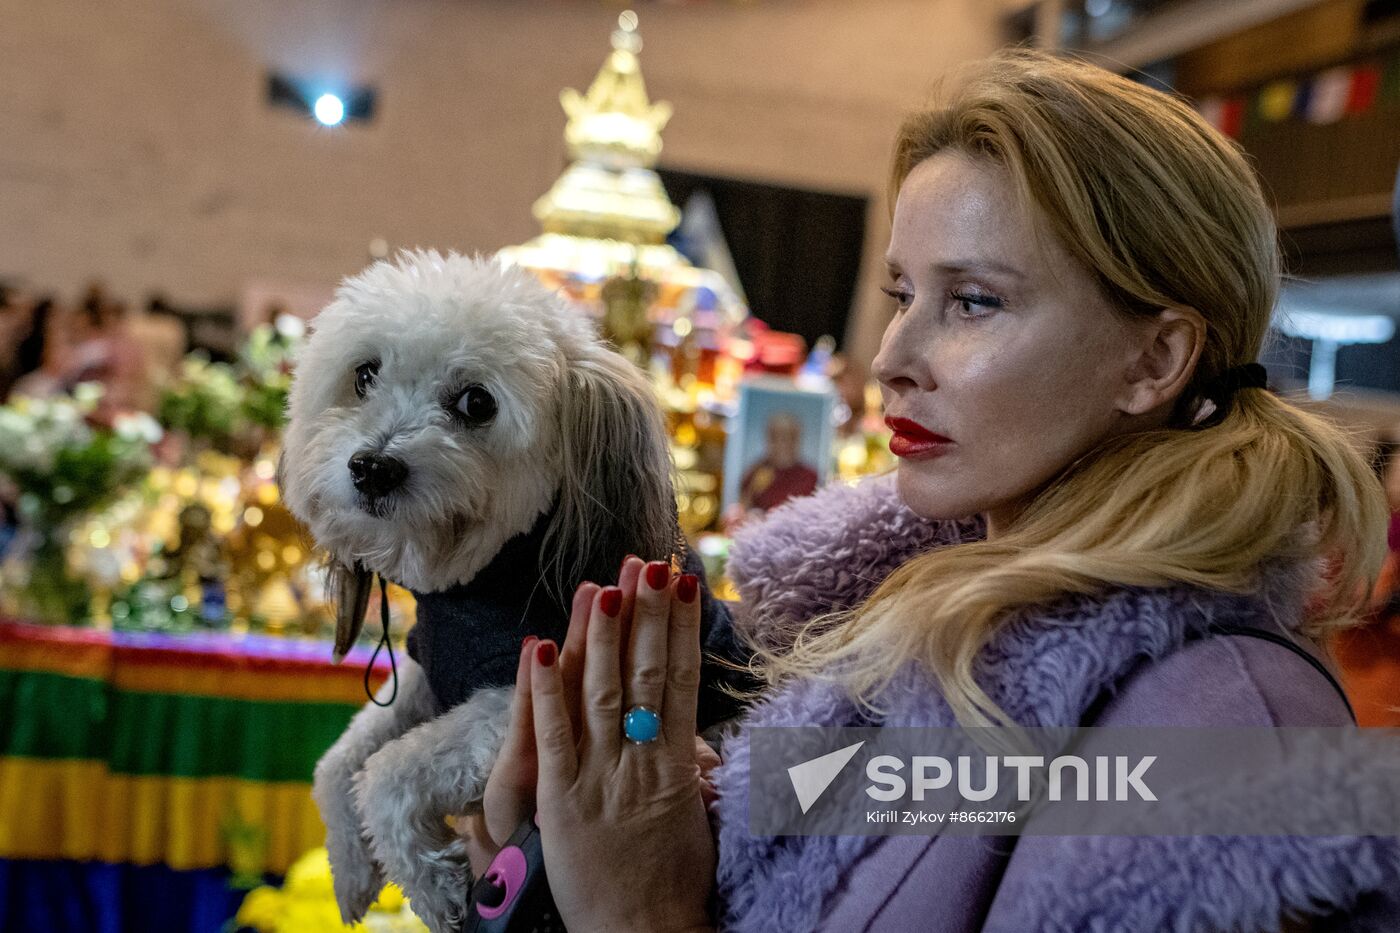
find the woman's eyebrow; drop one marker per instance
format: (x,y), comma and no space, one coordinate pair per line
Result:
(966,266)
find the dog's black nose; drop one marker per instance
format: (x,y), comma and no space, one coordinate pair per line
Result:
(377,474)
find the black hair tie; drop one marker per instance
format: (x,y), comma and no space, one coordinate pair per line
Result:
(1247,376)
(1217,393)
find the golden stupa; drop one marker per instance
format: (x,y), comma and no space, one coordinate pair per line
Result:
(605,223)
(608,215)
(614,138)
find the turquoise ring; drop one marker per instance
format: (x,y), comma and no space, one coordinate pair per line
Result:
(641,725)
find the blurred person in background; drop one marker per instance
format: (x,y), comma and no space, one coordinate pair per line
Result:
(1369,654)
(15,313)
(24,322)
(90,344)
(103,351)
(39,355)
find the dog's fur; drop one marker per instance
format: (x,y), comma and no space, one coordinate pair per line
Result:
(577,430)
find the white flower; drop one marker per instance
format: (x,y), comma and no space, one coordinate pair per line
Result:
(12,422)
(36,455)
(87,394)
(290,326)
(138,426)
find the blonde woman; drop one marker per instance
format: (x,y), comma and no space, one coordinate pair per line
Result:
(1091,474)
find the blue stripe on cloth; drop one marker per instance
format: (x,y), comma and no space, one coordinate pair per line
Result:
(96,897)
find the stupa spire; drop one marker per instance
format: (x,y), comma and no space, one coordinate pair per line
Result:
(614,138)
(614,123)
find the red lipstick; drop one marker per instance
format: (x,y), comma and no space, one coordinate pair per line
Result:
(913,441)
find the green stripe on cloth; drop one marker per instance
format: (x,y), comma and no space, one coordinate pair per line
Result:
(46,715)
(194,736)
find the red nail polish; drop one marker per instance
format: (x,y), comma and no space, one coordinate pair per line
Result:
(546,653)
(630,556)
(658,574)
(529,643)
(611,601)
(687,586)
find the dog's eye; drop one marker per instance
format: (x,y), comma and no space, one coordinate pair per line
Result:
(477,405)
(364,376)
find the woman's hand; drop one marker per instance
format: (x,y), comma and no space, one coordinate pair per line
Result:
(626,838)
(510,792)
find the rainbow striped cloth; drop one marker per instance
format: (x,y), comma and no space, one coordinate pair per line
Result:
(168,756)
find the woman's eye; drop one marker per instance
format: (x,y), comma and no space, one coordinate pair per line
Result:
(901,297)
(476,405)
(976,305)
(364,376)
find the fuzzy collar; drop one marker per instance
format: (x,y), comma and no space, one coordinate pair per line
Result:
(1044,668)
(468,636)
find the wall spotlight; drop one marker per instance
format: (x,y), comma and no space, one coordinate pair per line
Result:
(324,101)
(329,110)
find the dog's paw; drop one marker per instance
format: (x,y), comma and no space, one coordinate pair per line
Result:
(440,889)
(356,878)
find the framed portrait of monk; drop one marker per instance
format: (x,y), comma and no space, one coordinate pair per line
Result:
(779,446)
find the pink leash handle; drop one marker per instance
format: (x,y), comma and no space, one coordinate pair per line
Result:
(512,895)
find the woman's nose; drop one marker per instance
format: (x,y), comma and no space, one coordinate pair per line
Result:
(899,366)
(883,370)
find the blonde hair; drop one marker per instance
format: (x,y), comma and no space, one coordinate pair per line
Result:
(1165,212)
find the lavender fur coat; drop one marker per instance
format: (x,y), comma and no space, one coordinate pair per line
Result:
(1044,668)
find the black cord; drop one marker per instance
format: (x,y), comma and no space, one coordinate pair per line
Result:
(384,642)
(1228,629)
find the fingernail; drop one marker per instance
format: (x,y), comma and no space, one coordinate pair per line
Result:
(611,601)
(630,557)
(529,643)
(545,653)
(658,574)
(687,586)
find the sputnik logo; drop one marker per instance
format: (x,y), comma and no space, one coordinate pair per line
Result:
(810,779)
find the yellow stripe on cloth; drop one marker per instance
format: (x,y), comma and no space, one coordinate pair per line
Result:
(79,810)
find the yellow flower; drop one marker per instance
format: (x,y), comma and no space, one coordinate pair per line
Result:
(310,876)
(391,900)
(306,904)
(261,909)
(307,916)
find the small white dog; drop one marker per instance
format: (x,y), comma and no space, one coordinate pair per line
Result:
(459,430)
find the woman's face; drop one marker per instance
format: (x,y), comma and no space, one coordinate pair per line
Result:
(1004,361)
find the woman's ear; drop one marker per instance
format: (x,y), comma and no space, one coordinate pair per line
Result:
(349,588)
(1168,350)
(616,494)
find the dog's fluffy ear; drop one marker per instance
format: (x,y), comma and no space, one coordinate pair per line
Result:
(616,493)
(349,588)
